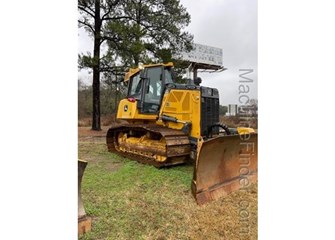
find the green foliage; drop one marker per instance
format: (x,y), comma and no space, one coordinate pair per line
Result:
(223,110)
(86,61)
(150,32)
(136,31)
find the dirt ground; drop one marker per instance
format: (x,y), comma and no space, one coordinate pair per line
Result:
(86,132)
(235,121)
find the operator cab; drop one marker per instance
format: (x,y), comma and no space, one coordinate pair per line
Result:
(147,87)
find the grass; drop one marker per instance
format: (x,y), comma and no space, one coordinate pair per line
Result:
(128,200)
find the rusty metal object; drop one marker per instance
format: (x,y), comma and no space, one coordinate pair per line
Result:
(223,165)
(150,144)
(84,221)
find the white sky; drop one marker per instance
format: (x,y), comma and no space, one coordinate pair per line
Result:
(227,24)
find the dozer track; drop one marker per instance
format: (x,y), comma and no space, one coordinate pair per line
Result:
(150,144)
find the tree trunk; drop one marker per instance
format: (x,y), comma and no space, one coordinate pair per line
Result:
(96,70)
(137,37)
(136,60)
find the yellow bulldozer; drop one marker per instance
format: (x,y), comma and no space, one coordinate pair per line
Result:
(167,123)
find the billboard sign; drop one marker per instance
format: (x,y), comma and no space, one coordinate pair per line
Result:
(204,54)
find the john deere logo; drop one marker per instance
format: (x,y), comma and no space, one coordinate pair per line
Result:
(126,108)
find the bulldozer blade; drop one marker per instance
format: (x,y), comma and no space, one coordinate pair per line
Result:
(224,164)
(84,222)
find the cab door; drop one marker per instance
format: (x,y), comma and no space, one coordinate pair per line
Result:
(153,90)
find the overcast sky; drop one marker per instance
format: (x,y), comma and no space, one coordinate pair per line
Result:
(227,24)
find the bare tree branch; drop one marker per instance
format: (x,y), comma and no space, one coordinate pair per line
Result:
(86,11)
(112,39)
(110,9)
(116,18)
(87,25)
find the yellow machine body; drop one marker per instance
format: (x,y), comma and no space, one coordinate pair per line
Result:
(183,105)
(128,110)
(170,123)
(133,71)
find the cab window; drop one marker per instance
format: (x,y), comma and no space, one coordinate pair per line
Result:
(135,86)
(168,75)
(154,90)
